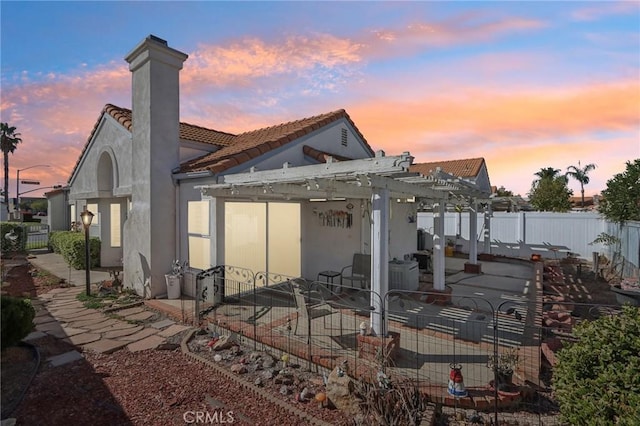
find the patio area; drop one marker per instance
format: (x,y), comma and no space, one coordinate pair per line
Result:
(479,314)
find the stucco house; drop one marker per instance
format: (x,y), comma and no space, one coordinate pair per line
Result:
(297,197)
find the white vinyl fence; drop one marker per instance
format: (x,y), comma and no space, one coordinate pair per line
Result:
(524,233)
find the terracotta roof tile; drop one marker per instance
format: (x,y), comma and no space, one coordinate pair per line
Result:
(188,132)
(321,156)
(265,140)
(467,168)
(234,149)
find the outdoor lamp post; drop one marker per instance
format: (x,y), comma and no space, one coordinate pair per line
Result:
(87,217)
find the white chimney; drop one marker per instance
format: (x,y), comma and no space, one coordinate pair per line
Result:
(150,229)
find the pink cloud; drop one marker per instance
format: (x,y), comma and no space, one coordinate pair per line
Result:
(459,30)
(599,10)
(245,61)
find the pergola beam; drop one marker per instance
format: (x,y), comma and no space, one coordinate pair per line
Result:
(331,169)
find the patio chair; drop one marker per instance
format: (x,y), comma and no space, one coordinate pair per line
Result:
(310,305)
(359,272)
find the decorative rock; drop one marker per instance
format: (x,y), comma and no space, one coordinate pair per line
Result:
(238,369)
(167,346)
(224,342)
(267,375)
(201,341)
(284,390)
(340,392)
(254,356)
(268,362)
(303,395)
(217,357)
(285,373)
(317,381)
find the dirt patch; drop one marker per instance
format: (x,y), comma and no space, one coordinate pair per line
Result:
(21,279)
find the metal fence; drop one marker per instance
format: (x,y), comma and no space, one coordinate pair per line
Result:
(428,337)
(37,235)
(24,236)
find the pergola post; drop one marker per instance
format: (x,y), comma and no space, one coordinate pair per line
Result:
(487,229)
(473,232)
(379,256)
(439,243)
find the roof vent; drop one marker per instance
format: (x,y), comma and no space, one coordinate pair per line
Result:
(344,137)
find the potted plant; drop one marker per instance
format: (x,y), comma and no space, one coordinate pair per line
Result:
(174,279)
(503,365)
(448,250)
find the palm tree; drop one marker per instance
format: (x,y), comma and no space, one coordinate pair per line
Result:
(9,142)
(581,174)
(547,173)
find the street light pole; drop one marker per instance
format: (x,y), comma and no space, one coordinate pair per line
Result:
(87,217)
(17,206)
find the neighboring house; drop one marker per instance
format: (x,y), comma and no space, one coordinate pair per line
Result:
(295,198)
(471,169)
(591,203)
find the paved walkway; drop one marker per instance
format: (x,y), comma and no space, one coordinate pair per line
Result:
(60,314)
(56,265)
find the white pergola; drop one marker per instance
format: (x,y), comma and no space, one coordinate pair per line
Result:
(378,179)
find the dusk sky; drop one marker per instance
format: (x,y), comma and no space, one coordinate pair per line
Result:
(526,85)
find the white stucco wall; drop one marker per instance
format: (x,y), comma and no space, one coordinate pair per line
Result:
(111,139)
(329,247)
(403,238)
(58,211)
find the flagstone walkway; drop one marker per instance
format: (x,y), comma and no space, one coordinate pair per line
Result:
(60,314)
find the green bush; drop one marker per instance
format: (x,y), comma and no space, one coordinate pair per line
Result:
(18,229)
(597,379)
(55,238)
(17,319)
(70,245)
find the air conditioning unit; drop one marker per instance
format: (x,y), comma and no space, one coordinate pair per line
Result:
(404,275)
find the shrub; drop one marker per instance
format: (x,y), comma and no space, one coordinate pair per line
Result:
(20,242)
(70,245)
(597,379)
(17,319)
(54,240)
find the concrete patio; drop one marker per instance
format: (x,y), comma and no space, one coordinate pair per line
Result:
(432,335)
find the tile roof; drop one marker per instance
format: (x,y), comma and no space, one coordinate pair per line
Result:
(235,149)
(249,145)
(467,168)
(188,131)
